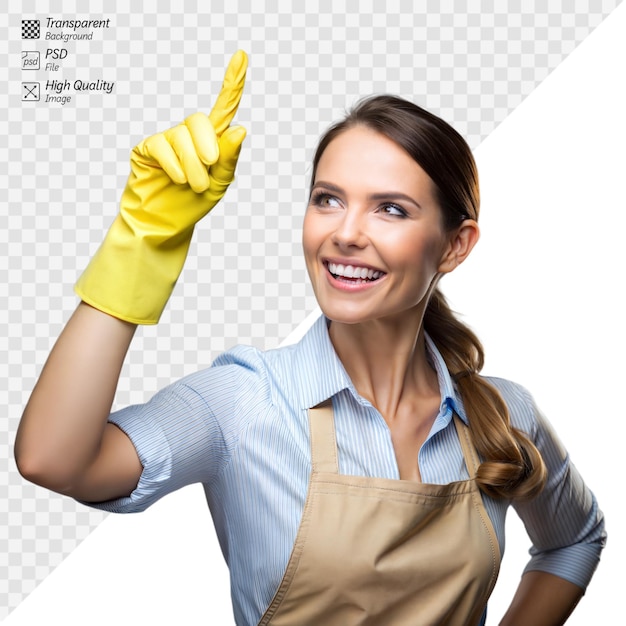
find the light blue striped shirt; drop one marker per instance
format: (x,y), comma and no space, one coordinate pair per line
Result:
(240,427)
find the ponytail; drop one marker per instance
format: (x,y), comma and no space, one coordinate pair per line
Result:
(512,467)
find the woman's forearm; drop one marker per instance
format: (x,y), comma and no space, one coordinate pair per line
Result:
(542,599)
(61,430)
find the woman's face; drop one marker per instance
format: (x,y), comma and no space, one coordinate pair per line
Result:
(373,237)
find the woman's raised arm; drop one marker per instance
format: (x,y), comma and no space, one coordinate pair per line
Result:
(64,441)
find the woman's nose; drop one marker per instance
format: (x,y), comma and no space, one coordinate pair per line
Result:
(350,230)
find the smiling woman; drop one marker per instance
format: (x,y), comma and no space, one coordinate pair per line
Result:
(361,476)
(383,217)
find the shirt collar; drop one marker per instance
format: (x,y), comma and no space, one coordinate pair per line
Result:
(450,399)
(318,371)
(321,374)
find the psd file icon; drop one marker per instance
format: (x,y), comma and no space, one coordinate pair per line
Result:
(30,60)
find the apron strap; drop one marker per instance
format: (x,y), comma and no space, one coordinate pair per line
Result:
(324,444)
(323,441)
(469,451)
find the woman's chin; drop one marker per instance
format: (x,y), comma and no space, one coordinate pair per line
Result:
(346,315)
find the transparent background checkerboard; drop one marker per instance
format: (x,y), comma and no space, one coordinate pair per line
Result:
(62,169)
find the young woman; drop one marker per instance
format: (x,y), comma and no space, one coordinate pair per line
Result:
(361,476)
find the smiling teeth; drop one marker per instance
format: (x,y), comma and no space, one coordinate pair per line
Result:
(350,271)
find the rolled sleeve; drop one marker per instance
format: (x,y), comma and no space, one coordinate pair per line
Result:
(564,522)
(154,454)
(186,433)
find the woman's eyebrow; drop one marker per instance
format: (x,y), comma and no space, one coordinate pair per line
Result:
(394,195)
(329,186)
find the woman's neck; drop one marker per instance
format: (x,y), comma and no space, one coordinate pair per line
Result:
(387,362)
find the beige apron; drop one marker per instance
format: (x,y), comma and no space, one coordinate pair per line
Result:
(383,552)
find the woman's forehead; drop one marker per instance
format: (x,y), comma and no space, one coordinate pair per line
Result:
(360,156)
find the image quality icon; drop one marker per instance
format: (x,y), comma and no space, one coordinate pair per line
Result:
(30,92)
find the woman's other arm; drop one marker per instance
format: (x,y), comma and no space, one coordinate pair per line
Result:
(564,523)
(542,599)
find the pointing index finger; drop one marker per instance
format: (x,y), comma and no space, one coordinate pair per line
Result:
(227,102)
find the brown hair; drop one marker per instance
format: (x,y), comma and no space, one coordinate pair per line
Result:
(511,464)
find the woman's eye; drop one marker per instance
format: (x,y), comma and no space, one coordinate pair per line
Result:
(393,209)
(326,200)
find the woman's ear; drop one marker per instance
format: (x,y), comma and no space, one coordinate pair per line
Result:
(460,244)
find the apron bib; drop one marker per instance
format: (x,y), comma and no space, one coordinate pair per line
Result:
(374,551)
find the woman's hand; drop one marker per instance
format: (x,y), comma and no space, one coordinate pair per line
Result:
(177,177)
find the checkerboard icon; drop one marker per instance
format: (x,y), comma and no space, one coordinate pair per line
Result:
(30,29)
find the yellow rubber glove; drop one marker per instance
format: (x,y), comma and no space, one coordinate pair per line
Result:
(176,178)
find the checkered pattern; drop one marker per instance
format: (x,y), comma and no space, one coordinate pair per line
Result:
(30,29)
(62,169)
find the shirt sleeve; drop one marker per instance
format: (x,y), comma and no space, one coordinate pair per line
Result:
(186,433)
(564,523)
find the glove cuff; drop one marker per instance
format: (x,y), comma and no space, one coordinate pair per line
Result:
(129,278)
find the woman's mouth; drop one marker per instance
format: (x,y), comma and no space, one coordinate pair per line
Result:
(354,274)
